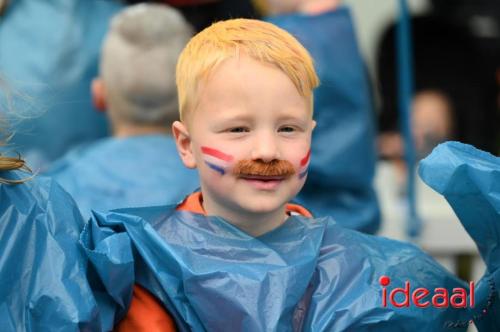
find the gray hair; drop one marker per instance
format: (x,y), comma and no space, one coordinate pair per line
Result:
(138,63)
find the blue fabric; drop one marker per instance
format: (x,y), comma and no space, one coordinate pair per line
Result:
(339,182)
(49,52)
(43,270)
(308,274)
(125,172)
(469,179)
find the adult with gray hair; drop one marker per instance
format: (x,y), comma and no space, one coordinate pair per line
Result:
(138,165)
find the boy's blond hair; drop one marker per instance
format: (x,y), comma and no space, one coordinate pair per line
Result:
(260,40)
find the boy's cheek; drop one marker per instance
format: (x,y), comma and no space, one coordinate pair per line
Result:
(303,164)
(219,161)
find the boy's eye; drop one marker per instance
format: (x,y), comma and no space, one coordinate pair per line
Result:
(287,129)
(238,130)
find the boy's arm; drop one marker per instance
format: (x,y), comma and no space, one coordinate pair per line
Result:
(469,179)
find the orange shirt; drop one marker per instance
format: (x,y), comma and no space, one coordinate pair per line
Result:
(146,313)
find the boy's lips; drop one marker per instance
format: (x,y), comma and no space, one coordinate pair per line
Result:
(262,177)
(263,182)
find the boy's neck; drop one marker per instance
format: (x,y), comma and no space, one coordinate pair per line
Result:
(255,224)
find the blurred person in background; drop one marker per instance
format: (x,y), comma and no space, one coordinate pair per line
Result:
(139,164)
(433,122)
(49,50)
(202,13)
(341,172)
(456,53)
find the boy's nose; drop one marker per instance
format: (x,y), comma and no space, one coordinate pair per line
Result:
(265,148)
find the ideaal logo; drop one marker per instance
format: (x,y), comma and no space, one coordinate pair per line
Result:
(422,297)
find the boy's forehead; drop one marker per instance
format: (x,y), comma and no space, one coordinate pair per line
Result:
(243,76)
(234,70)
(217,86)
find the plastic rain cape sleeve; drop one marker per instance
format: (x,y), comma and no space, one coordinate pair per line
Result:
(309,274)
(43,269)
(469,179)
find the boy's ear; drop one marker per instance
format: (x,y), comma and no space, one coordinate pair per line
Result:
(98,94)
(183,142)
(313,124)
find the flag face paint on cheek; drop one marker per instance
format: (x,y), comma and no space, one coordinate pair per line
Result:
(216,160)
(304,164)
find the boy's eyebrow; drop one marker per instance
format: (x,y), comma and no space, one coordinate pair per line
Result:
(236,114)
(249,118)
(237,117)
(287,117)
(292,117)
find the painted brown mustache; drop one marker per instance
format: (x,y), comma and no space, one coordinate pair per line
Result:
(246,167)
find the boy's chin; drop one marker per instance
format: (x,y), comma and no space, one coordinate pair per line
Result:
(263,205)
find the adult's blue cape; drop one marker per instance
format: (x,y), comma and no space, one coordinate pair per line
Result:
(340,178)
(306,275)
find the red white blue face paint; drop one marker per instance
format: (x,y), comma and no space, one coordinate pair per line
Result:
(216,160)
(304,164)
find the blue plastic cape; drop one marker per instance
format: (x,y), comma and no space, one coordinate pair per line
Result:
(306,275)
(125,172)
(469,179)
(43,270)
(49,52)
(339,182)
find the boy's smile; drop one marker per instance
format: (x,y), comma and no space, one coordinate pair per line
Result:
(249,135)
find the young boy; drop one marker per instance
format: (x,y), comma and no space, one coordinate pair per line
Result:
(237,256)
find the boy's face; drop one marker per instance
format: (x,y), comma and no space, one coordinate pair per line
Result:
(249,137)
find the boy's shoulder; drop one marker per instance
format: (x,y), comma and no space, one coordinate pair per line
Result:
(334,241)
